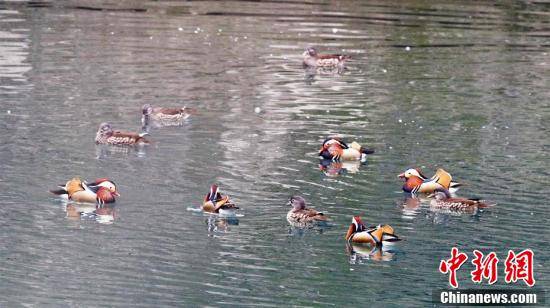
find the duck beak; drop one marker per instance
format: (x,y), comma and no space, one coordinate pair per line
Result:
(431,195)
(116,194)
(289,203)
(401,175)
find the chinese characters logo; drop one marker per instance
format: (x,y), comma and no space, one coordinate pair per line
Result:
(517,267)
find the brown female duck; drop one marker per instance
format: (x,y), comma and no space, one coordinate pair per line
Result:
(106,135)
(444,201)
(300,215)
(314,59)
(164,116)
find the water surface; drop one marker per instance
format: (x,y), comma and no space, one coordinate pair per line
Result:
(463,86)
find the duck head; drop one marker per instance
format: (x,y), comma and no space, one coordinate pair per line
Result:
(147,109)
(356,226)
(440,194)
(310,51)
(105,129)
(412,172)
(332,147)
(413,179)
(108,184)
(104,195)
(213,195)
(297,203)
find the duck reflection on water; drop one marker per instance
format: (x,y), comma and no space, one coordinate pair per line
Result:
(221,224)
(103,214)
(335,168)
(360,253)
(311,72)
(410,206)
(106,151)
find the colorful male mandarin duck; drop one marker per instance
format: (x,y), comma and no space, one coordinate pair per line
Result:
(101,191)
(106,135)
(443,200)
(300,215)
(416,182)
(313,59)
(376,236)
(416,172)
(215,202)
(336,149)
(164,116)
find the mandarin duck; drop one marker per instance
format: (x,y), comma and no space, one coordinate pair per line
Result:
(215,202)
(416,172)
(313,59)
(335,149)
(164,116)
(444,201)
(416,182)
(100,191)
(300,215)
(106,135)
(375,236)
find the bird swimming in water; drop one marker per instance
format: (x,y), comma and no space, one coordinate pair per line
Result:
(443,201)
(161,116)
(106,135)
(215,202)
(100,191)
(336,149)
(300,215)
(314,59)
(376,236)
(416,182)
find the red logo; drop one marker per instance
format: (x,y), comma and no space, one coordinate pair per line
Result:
(520,266)
(484,268)
(452,265)
(517,267)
